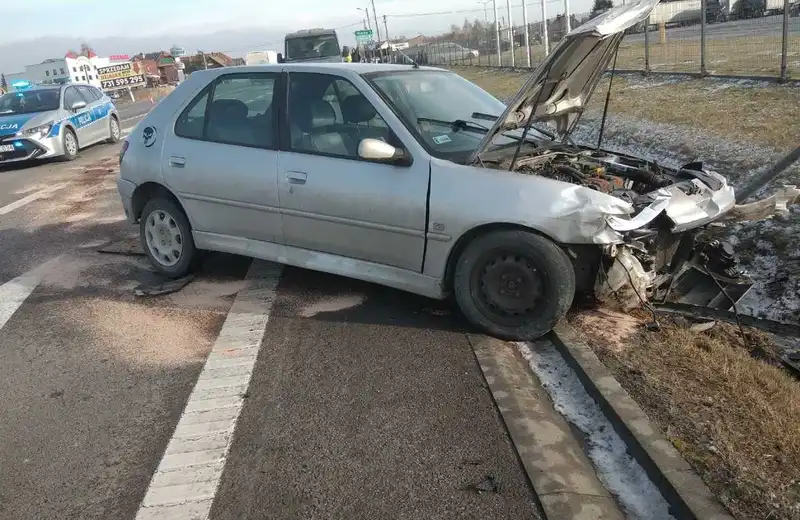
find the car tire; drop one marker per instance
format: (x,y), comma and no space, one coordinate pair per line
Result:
(70,145)
(163,231)
(514,285)
(114,130)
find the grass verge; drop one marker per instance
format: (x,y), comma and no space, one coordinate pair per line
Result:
(765,114)
(723,403)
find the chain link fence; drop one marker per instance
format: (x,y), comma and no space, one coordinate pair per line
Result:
(754,38)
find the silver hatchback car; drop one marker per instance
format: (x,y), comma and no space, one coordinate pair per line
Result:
(393,174)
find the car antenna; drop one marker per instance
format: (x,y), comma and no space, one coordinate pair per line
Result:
(406,56)
(608,98)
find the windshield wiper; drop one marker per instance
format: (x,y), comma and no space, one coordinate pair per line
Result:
(457,124)
(490,117)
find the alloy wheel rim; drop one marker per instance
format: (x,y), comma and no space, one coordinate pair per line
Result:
(164,238)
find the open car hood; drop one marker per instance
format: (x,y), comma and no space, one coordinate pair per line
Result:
(562,84)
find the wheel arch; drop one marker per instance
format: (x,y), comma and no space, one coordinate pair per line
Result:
(150,190)
(484,229)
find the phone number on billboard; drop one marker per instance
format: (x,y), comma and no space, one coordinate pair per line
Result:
(123,82)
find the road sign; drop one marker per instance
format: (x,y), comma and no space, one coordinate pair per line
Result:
(364,36)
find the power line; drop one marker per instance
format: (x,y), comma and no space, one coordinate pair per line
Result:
(465,11)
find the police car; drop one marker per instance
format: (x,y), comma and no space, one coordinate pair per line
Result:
(57,121)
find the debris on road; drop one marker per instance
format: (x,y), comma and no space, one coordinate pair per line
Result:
(165,287)
(490,484)
(130,246)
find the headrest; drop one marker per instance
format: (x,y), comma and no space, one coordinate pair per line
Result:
(315,114)
(228,110)
(357,109)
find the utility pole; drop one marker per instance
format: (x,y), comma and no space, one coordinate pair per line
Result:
(566,14)
(511,33)
(386,29)
(527,36)
(544,29)
(375,15)
(205,64)
(497,34)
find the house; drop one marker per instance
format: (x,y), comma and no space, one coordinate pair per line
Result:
(166,67)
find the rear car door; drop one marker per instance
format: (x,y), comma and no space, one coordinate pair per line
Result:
(80,118)
(221,158)
(332,200)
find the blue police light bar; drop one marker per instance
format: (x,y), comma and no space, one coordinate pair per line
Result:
(21,84)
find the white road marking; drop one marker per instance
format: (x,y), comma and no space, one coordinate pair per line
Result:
(30,198)
(188,475)
(13,293)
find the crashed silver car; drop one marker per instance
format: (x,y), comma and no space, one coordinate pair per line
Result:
(415,178)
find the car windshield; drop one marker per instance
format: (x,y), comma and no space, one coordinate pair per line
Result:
(439,107)
(29,101)
(309,47)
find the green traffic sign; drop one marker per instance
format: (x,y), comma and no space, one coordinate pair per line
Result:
(364,36)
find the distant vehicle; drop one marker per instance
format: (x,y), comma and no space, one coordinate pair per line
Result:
(440,53)
(46,122)
(313,45)
(261,58)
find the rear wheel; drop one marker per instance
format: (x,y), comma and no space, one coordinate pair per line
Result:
(167,237)
(114,132)
(70,143)
(514,285)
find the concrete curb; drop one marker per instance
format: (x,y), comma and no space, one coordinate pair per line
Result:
(685,492)
(562,477)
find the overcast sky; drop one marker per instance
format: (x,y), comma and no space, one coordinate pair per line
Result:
(34,30)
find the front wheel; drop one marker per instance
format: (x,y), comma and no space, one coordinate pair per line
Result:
(167,237)
(514,285)
(70,145)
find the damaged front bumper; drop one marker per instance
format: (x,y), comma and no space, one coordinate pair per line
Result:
(669,254)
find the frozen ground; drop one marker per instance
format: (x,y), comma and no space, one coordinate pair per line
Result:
(618,471)
(769,249)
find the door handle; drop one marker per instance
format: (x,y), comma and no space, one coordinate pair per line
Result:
(296,177)
(178,162)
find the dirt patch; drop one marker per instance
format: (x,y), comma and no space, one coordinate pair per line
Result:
(724,403)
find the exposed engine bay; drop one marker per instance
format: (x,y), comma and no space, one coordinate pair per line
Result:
(667,254)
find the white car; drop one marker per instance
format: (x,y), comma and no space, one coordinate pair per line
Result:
(58,121)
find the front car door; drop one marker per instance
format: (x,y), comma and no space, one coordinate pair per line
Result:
(80,118)
(98,128)
(332,200)
(221,158)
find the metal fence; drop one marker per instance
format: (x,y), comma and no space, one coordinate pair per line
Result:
(708,40)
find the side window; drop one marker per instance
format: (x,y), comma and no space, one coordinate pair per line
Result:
(71,97)
(236,109)
(87,94)
(328,115)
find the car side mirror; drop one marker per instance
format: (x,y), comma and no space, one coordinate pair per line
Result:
(377,150)
(281,59)
(78,105)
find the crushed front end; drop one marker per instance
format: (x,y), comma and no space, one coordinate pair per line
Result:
(670,247)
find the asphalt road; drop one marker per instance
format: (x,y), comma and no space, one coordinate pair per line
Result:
(364,402)
(755,28)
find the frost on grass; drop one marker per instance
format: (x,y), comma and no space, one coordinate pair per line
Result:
(617,470)
(769,249)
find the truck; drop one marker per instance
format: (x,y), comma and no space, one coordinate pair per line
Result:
(260,57)
(313,45)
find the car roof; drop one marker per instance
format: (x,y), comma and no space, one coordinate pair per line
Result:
(311,32)
(341,68)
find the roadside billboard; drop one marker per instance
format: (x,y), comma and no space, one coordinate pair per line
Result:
(122,75)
